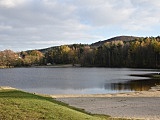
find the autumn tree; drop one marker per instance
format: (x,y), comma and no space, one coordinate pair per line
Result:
(8,58)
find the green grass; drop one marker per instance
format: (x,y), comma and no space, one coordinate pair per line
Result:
(19,105)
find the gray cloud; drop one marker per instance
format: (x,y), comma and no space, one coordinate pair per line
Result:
(32,24)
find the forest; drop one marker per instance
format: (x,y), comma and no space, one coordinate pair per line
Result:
(134,53)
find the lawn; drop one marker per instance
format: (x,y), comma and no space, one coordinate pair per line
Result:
(19,105)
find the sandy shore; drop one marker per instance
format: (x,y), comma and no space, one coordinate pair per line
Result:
(135,105)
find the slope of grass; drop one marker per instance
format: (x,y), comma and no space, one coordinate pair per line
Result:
(18,105)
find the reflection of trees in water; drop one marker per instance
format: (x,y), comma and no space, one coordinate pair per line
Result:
(135,85)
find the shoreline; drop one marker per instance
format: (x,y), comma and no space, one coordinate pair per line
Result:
(129,105)
(58,66)
(154,92)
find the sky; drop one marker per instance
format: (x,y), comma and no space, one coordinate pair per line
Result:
(35,24)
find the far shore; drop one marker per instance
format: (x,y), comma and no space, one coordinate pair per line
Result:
(58,66)
(46,66)
(74,65)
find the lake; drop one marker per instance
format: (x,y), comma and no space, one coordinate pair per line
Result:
(77,80)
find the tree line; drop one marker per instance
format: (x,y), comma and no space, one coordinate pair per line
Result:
(9,58)
(138,53)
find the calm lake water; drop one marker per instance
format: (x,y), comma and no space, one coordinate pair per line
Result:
(76,80)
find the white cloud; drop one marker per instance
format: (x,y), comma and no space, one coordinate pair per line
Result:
(10,3)
(131,15)
(145,16)
(104,13)
(48,42)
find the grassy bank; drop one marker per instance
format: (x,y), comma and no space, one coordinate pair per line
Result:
(18,105)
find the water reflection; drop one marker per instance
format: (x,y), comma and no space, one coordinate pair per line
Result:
(134,85)
(76,80)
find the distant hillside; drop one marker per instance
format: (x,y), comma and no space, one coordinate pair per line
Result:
(96,44)
(75,46)
(44,50)
(136,52)
(122,38)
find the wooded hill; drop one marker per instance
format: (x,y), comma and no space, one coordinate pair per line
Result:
(118,38)
(121,51)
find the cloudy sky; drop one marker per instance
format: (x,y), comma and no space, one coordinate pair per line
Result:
(34,24)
